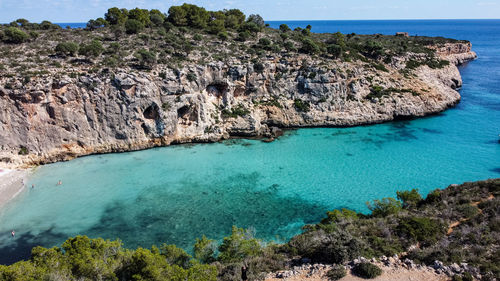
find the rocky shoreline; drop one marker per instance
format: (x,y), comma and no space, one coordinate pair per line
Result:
(56,118)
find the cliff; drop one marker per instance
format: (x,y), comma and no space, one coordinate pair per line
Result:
(56,117)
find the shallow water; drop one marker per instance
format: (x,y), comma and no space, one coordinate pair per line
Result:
(178,193)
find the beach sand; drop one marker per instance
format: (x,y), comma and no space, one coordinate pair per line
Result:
(11,184)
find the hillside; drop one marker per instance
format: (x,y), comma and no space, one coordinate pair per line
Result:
(138,79)
(452,233)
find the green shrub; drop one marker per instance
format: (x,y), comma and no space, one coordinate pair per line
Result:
(93,49)
(366,270)
(284,28)
(191,77)
(204,249)
(301,105)
(340,215)
(467,210)
(223,35)
(384,207)
(240,245)
(67,48)
(417,229)
(14,35)
(433,197)
(409,197)
(334,50)
(265,42)
(133,26)
(175,255)
(23,150)
(337,272)
(146,58)
(309,46)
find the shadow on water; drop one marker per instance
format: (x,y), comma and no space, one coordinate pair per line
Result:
(179,215)
(20,246)
(496,170)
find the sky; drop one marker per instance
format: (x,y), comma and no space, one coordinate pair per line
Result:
(83,10)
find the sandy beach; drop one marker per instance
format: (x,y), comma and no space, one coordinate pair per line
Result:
(11,184)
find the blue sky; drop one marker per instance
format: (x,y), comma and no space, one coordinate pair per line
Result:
(83,10)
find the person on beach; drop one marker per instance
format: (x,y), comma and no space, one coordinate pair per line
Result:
(13,233)
(244,270)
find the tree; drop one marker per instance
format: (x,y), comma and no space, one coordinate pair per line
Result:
(204,249)
(157,18)
(409,197)
(66,49)
(141,15)
(384,207)
(175,255)
(133,26)
(95,24)
(240,245)
(177,15)
(116,16)
(257,19)
(217,23)
(309,46)
(14,35)
(284,28)
(234,18)
(93,49)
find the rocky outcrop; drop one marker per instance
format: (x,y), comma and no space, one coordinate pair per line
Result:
(56,118)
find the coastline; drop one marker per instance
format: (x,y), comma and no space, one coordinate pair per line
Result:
(11,184)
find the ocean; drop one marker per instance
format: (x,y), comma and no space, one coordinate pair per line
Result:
(176,194)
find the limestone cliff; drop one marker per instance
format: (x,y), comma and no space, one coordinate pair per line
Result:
(55,118)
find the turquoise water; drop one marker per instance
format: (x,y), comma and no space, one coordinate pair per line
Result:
(178,193)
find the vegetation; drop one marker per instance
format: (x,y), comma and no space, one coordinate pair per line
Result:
(336,273)
(366,270)
(342,236)
(187,35)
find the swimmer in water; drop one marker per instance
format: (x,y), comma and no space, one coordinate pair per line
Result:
(33,186)
(13,233)
(59,182)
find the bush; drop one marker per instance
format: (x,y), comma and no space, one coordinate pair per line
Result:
(284,28)
(366,270)
(309,47)
(301,105)
(240,245)
(133,26)
(146,58)
(424,230)
(334,50)
(204,250)
(93,49)
(409,197)
(223,36)
(67,48)
(337,272)
(14,35)
(384,207)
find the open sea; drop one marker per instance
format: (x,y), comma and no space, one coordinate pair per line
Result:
(175,194)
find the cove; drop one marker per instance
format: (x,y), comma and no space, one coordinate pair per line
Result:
(176,194)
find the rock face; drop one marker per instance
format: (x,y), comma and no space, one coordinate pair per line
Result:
(58,118)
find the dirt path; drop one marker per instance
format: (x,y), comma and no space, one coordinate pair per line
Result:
(475,204)
(389,274)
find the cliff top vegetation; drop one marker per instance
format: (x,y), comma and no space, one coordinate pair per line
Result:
(140,39)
